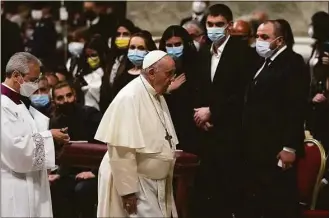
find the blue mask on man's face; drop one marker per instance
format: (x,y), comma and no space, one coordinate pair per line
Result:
(175,52)
(136,56)
(216,34)
(40,100)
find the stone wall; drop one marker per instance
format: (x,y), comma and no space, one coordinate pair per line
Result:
(157,16)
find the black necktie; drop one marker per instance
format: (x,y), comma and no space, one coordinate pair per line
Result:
(254,80)
(267,63)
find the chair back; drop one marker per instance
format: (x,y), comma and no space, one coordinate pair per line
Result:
(86,155)
(310,171)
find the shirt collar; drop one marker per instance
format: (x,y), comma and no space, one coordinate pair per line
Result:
(220,49)
(9,88)
(148,86)
(278,52)
(10,93)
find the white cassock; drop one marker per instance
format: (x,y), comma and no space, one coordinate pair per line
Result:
(27,151)
(139,158)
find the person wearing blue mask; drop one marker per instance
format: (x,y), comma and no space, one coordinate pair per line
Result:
(140,44)
(178,43)
(226,66)
(274,115)
(41,98)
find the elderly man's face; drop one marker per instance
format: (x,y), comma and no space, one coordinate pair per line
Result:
(164,75)
(195,33)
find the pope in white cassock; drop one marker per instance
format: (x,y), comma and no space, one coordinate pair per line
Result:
(27,146)
(135,176)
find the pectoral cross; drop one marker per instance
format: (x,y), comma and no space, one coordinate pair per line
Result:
(168,138)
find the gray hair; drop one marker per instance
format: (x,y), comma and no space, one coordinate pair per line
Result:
(20,62)
(195,24)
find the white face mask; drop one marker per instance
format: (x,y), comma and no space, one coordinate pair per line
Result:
(199,6)
(28,88)
(197,45)
(36,14)
(75,48)
(310,31)
(263,49)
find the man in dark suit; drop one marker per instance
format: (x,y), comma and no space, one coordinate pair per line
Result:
(225,67)
(199,13)
(273,126)
(74,190)
(99,23)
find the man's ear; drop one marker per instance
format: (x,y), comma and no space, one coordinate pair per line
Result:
(151,73)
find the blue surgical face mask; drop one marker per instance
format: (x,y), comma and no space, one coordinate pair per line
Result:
(136,56)
(263,48)
(40,100)
(175,52)
(216,34)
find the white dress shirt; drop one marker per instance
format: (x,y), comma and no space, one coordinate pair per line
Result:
(215,58)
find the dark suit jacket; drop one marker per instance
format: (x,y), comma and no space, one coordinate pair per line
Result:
(224,95)
(274,109)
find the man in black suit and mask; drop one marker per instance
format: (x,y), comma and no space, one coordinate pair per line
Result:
(225,66)
(273,126)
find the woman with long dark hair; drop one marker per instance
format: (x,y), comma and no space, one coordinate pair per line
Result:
(118,44)
(180,98)
(139,45)
(318,120)
(92,81)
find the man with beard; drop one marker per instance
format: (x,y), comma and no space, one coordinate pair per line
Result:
(77,185)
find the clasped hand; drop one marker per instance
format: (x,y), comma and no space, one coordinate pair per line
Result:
(202,117)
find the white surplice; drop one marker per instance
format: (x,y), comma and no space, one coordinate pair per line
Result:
(139,158)
(27,151)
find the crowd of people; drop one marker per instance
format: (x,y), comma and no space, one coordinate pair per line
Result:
(234,92)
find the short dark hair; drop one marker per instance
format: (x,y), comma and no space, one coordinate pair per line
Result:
(278,31)
(287,32)
(222,10)
(59,86)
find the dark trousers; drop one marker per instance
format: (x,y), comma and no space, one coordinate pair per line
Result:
(270,193)
(217,185)
(74,198)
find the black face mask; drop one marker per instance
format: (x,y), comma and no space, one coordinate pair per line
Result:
(90,15)
(66,108)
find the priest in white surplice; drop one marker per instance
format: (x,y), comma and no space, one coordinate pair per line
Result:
(135,176)
(27,147)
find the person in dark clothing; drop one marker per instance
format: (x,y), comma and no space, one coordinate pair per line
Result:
(11,41)
(139,45)
(98,22)
(44,35)
(226,66)
(74,190)
(318,119)
(273,127)
(180,94)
